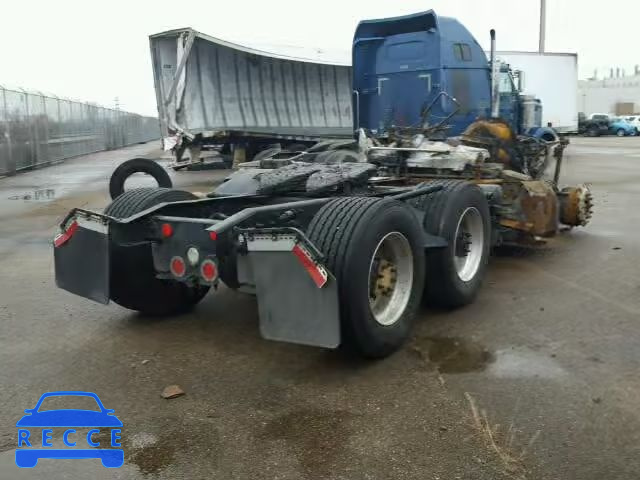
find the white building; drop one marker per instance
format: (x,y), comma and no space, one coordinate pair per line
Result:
(619,95)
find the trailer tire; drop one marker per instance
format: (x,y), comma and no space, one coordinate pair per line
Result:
(133,283)
(137,165)
(451,282)
(350,232)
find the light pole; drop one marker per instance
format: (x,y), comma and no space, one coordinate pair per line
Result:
(543,24)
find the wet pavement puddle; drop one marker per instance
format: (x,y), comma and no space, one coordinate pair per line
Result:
(149,452)
(154,458)
(451,355)
(39,195)
(456,355)
(524,363)
(317,438)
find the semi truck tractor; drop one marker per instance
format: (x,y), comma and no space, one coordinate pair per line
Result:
(422,70)
(354,233)
(213,94)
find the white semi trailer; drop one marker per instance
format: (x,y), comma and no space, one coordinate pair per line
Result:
(553,78)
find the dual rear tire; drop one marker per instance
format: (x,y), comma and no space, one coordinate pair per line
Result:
(459,213)
(376,250)
(363,239)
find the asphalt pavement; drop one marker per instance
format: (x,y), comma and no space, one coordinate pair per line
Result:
(538,379)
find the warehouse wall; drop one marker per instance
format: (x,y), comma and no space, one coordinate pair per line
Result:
(610,95)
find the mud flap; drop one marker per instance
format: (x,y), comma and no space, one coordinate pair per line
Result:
(81,258)
(297,296)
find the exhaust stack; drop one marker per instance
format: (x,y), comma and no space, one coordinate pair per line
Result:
(495,71)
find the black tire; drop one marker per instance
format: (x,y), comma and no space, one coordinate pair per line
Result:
(347,231)
(136,165)
(442,212)
(593,132)
(133,283)
(620,132)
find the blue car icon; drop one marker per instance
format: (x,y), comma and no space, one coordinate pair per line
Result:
(68,418)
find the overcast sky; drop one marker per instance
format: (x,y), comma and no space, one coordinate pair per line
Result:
(97,51)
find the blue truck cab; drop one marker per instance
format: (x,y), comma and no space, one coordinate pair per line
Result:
(408,70)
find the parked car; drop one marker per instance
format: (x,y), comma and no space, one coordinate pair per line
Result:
(635,121)
(592,127)
(620,127)
(600,117)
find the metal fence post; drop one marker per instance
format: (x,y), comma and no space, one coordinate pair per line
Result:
(27,118)
(10,167)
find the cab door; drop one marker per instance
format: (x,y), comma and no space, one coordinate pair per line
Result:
(509,104)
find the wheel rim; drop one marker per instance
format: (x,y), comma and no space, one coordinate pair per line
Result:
(468,244)
(390,278)
(621,133)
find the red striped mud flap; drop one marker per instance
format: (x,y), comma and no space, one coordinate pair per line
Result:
(81,257)
(297,295)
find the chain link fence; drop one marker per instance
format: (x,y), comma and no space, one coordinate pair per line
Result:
(36,129)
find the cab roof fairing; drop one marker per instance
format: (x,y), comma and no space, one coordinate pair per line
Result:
(448,29)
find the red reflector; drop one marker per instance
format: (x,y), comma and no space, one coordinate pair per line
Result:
(213,236)
(209,270)
(317,273)
(167,230)
(177,266)
(64,237)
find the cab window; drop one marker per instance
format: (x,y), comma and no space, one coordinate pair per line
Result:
(462,52)
(505,83)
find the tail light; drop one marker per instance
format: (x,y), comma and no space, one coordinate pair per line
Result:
(166,229)
(208,270)
(178,267)
(63,237)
